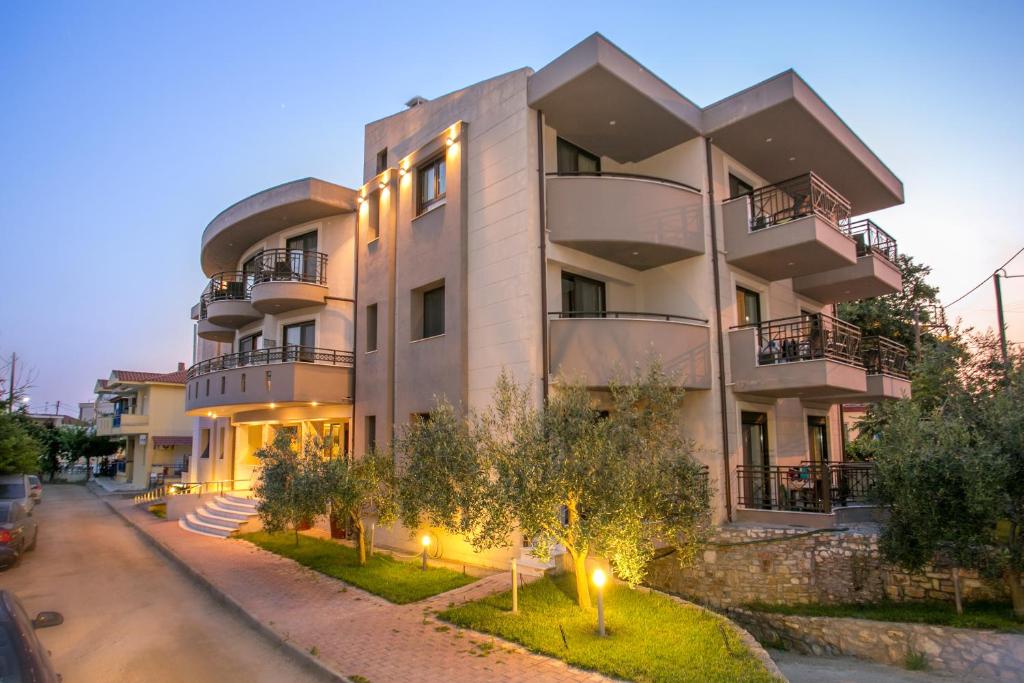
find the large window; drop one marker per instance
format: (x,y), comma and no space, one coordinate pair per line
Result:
(582,297)
(433,312)
(382,160)
(739,187)
(748,307)
(371,327)
(371,432)
(299,341)
(574,159)
(430,184)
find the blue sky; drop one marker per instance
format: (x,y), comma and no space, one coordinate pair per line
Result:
(126,126)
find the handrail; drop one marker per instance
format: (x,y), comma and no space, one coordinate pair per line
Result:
(269,356)
(872,239)
(806,337)
(625,315)
(883,356)
(290,265)
(626,176)
(801,487)
(219,486)
(798,197)
(231,285)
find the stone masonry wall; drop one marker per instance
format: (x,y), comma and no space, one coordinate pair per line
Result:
(785,565)
(964,652)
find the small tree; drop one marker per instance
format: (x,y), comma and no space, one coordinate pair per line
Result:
(81,442)
(19,450)
(354,489)
(617,484)
(289,488)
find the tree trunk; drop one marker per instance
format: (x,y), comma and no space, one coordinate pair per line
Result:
(579,563)
(357,523)
(1012,578)
(296,528)
(957,596)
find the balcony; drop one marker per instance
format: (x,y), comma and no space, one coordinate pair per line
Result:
(790,229)
(206,329)
(874,274)
(227,300)
(599,347)
(636,221)
(122,424)
(808,493)
(278,376)
(809,356)
(286,279)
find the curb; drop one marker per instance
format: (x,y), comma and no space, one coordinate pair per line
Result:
(300,656)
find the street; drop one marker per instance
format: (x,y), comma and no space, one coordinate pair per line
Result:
(129,615)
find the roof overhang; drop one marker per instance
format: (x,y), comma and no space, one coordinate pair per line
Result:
(594,84)
(255,218)
(781,128)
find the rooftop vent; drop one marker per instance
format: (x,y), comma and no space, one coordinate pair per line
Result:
(416,101)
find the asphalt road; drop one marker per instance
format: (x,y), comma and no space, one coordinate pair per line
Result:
(128,614)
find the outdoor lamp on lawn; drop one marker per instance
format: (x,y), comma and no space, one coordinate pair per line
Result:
(599,578)
(426,544)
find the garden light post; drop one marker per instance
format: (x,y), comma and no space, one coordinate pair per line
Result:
(599,579)
(426,544)
(515,588)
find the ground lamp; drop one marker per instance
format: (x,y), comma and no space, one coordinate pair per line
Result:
(599,579)
(426,544)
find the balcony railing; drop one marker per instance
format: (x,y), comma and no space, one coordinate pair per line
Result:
(802,488)
(883,356)
(872,239)
(229,286)
(805,195)
(626,176)
(626,315)
(807,337)
(290,265)
(270,356)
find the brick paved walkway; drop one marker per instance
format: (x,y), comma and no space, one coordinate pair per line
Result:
(353,631)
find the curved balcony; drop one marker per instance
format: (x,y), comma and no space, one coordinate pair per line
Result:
(207,329)
(227,300)
(789,229)
(274,377)
(808,356)
(600,347)
(874,274)
(286,279)
(637,221)
(255,218)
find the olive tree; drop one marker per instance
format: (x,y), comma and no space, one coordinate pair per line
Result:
(354,489)
(289,488)
(617,483)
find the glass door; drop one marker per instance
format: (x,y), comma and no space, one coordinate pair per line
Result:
(302,256)
(300,341)
(756,460)
(582,297)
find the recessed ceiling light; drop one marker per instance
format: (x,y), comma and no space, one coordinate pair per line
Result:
(791,263)
(636,253)
(612,122)
(767,139)
(792,158)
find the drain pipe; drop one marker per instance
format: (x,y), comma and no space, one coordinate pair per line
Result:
(719,335)
(541,194)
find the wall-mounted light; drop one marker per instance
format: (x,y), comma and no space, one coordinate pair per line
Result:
(360,199)
(450,141)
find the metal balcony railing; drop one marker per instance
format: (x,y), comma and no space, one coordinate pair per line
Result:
(290,265)
(623,176)
(883,356)
(806,487)
(807,337)
(625,315)
(798,197)
(270,356)
(872,239)
(228,286)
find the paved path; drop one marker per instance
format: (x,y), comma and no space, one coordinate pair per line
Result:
(352,631)
(129,615)
(801,669)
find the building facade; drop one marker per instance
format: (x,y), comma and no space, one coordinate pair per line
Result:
(579,221)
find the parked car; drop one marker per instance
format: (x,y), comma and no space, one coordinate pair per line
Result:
(16,487)
(35,490)
(18,533)
(22,656)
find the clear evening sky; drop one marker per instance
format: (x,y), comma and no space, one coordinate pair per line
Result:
(126,126)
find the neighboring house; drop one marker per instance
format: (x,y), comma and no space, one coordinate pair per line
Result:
(147,411)
(58,420)
(577,222)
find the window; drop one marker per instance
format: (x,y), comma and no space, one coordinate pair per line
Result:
(817,436)
(748,307)
(382,160)
(573,159)
(204,443)
(302,257)
(300,341)
(430,185)
(246,345)
(373,217)
(223,443)
(243,382)
(223,383)
(371,327)
(738,187)
(433,312)
(582,297)
(250,267)
(371,432)
(207,386)
(420,417)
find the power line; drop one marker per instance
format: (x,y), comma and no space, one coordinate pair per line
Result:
(987,277)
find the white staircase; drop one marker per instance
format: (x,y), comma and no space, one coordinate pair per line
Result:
(220,517)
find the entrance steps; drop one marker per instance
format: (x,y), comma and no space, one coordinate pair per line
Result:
(220,517)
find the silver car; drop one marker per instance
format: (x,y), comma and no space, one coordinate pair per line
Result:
(17,487)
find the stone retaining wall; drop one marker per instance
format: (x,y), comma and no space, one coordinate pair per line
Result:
(964,652)
(785,565)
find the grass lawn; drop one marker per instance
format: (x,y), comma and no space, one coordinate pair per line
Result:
(393,580)
(159,510)
(990,615)
(650,637)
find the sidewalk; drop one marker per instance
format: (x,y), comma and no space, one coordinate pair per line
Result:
(347,630)
(111,486)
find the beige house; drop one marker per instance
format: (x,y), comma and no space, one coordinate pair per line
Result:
(147,412)
(574,221)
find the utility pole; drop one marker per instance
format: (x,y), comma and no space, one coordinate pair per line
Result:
(10,388)
(999,315)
